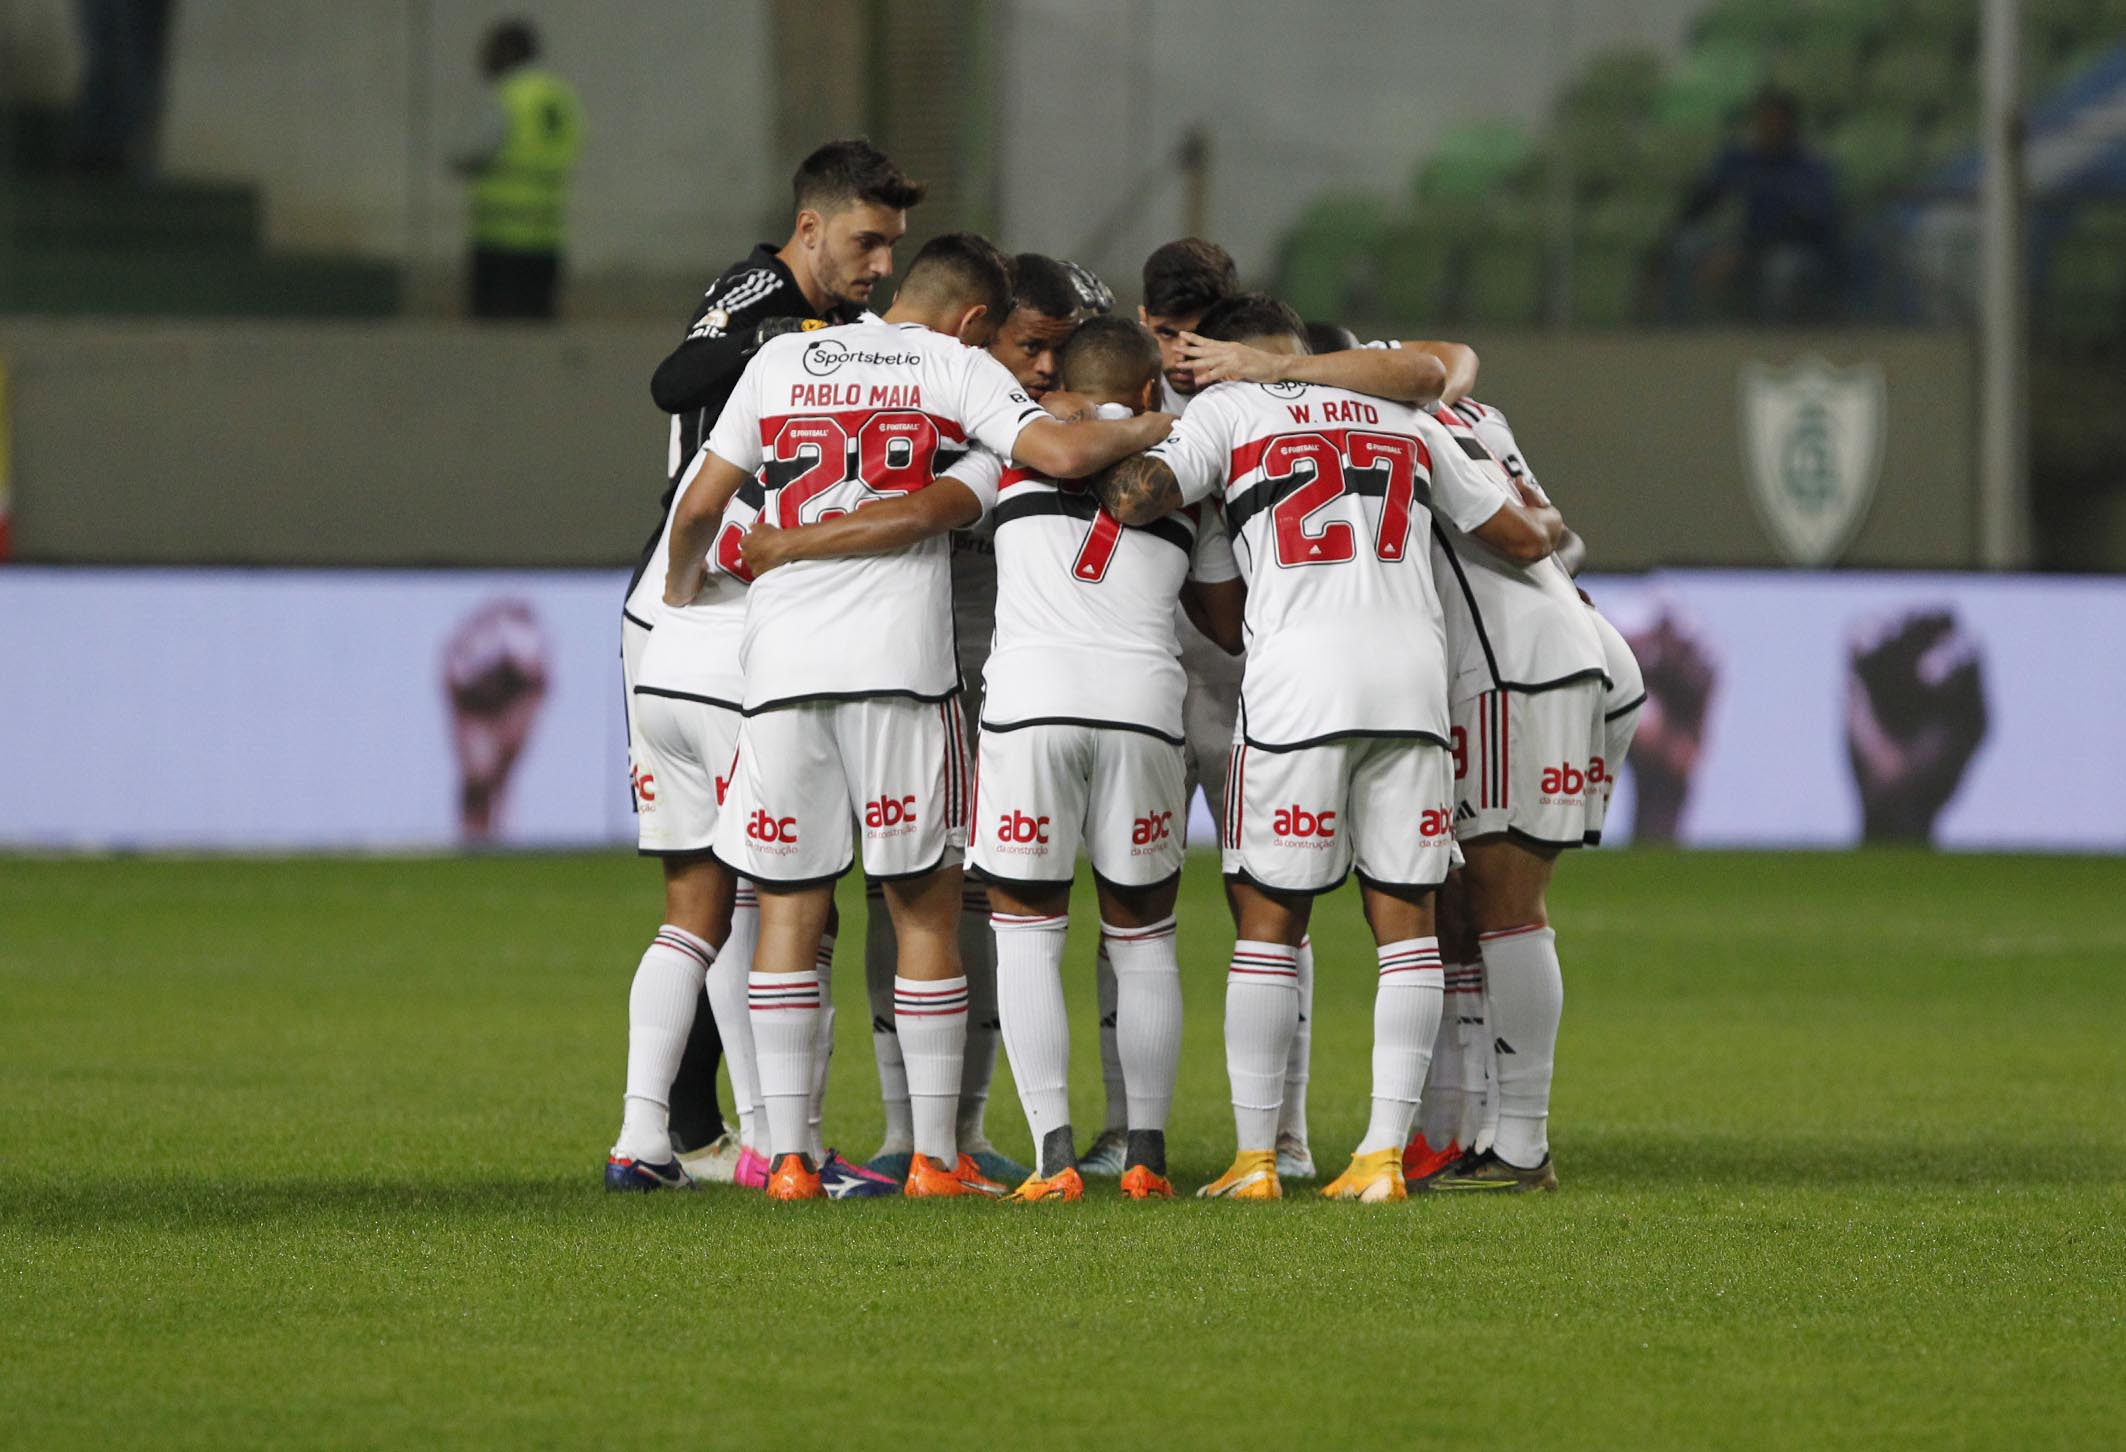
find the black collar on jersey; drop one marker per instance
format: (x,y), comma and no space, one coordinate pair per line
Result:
(764,255)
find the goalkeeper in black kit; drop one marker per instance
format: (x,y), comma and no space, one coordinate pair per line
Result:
(851,205)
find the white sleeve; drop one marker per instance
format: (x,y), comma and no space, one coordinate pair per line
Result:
(1197,448)
(1498,437)
(993,408)
(1383,343)
(1212,562)
(736,437)
(1465,490)
(981,471)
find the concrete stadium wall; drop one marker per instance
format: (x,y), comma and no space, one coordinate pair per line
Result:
(422,443)
(343,114)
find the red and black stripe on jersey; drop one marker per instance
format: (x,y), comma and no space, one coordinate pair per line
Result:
(1071,500)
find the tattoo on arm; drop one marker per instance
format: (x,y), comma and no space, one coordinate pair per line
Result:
(1139,490)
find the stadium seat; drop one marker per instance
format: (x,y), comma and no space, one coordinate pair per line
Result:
(1334,239)
(2085,281)
(1601,157)
(1749,24)
(1917,79)
(1503,271)
(1414,275)
(1671,157)
(1617,86)
(1873,152)
(1611,244)
(1475,159)
(1710,84)
(1940,25)
(1823,72)
(1858,25)
(2060,26)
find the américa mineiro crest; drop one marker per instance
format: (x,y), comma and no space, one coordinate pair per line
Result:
(1812,446)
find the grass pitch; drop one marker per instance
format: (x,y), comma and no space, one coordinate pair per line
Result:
(307,1154)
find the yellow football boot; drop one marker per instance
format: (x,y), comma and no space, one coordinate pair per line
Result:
(1252,1177)
(1375,1179)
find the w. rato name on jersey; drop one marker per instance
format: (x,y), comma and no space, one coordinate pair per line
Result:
(1327,494)
(1085,609)
(829,421)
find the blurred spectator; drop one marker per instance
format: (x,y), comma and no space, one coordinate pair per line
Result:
(519,163)
(1780,261)
(124,44)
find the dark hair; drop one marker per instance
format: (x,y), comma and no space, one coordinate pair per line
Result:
(1329,337)
(1110,355)
(1040,285)
(1251,315)
(509,43)
(842,173)
(1187,276)
(962,267)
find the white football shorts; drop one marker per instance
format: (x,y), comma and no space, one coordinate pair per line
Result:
(1531,764)
(682,768)
(1042,792)
(1299,821)
(809,777)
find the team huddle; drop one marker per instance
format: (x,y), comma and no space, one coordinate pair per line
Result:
(997,580)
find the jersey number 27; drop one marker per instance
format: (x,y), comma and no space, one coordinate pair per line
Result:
(1389,462)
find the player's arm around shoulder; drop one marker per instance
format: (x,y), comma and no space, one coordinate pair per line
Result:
(710,485)
(953,500)
(876,529)
(1403,373)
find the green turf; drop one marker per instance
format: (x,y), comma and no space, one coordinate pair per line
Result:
(306,1154)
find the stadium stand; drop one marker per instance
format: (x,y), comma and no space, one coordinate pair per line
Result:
(78,243)
(1887,90)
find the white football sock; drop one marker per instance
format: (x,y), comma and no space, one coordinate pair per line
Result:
(660,1010)
(1406,1008)
(931,1018)
(784,1008)
(1441,1115)
(1292,1117)
(1527,1000)
(1148,1017)
(734,1024)
(1029,953)
(1261,1013)
(978,961)
(1111,1076)
(1476,1056)
(822,1052)
(881,956)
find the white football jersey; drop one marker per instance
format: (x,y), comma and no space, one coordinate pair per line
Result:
(1085,608)
(1326,493)
(1509,626)
(697,659)
(829,421)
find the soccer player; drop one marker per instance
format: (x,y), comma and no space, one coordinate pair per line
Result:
(849,675)
(851,208)
(1080,744)
(1526,698)
(1046,307)
(1340,756)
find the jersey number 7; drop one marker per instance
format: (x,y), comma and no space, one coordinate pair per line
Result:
(1385,464)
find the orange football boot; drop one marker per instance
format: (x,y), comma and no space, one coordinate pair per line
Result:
(1139,1183)
(793,1179)
(1065,1184)
(927,1177)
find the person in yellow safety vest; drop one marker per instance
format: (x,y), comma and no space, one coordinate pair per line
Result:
(519,168)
